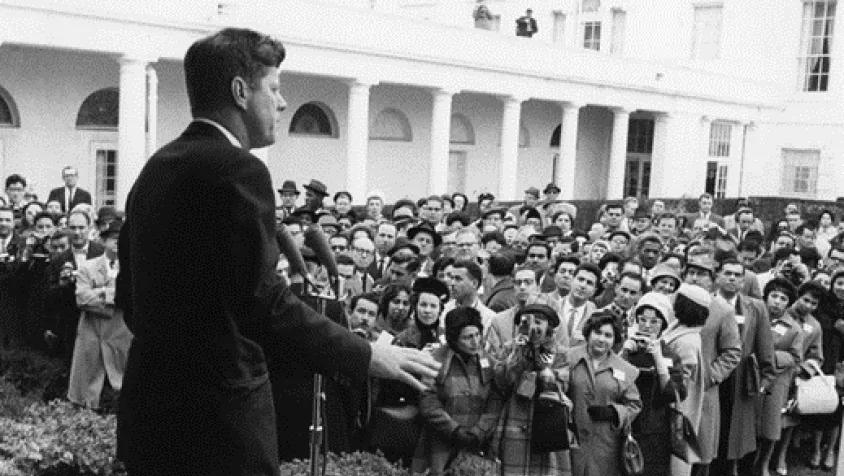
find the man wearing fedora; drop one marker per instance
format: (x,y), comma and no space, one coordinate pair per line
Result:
(315,193)
(289,194)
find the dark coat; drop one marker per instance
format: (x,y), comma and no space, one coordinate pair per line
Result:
(198,256)
(12,295)
(502,296)
(80,196)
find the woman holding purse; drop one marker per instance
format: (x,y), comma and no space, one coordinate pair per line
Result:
(602,387)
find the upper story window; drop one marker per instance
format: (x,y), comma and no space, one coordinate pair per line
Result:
(592,35)
(719,139)
(8,111)
(590,6)
(314,119)
(706,41)
(816,44)
(100,110)
(800,172)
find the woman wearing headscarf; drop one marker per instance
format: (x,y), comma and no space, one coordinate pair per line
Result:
(461,408)
(533,363)
(682,342)
(779,294)
(602,387)
(426,304)
(659,378)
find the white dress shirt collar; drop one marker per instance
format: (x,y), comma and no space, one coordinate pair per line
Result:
(234,141)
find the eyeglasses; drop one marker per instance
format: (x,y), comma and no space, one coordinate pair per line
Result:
(570,272)
(537,256)
(466,245)
(363,252)
(524,282)
(338,248)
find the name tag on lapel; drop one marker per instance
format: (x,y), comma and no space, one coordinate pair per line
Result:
(780,329)
(740,319)
(807,328)
(484,363)
(618,375)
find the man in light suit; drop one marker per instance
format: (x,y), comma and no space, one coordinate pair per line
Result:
(721,351)
(70,195)
(199,285)
(102,338)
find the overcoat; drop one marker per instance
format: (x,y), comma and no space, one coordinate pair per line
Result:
(102,338)
(464,394)
(788,353)
(721,350)
(612,383)
(684,344)
(756,339)
(198,255)
(812,350)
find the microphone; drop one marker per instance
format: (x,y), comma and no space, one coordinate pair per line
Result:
(291,252)
(315,240)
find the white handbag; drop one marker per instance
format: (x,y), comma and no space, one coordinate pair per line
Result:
(816,395)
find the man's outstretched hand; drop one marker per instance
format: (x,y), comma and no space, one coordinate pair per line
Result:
(404,364)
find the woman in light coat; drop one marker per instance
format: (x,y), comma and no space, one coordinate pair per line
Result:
(602,387)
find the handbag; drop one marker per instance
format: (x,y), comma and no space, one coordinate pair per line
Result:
(751,376)
(395,430)
(467,462)
(551,424)
(632,460)
(682,433)
(816,395)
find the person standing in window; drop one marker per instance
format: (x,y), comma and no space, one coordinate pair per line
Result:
(526,25)
(70,195)
(483,17)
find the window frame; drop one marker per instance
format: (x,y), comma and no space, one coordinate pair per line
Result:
(14,116)
(802,160)
(696,33)
(99,126)
(330,117)
(593,42)
(103,196)
(720,139)
(809,39)
(403,124)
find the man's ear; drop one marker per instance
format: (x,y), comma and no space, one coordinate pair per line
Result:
(240,92)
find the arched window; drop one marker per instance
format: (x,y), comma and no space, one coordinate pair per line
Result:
(524,137)
(8,111)
(314,119)
(461,130)
(391,124)
(555,137)
(99,110)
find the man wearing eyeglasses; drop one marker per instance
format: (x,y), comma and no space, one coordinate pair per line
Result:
(363,254)
(70,195)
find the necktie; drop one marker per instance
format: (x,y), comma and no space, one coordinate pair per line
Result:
(572,315)
(68,197)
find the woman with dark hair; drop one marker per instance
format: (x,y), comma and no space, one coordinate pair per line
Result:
(394,308)
(660,376)
(342,203)
(565,221)
(802,311)
(682,341)
(461,409)
(426,304)
(605,397)
(28,214)
(779,295)
(830,315)
(826,231)
(460,201)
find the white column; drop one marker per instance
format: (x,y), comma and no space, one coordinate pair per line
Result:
(440,132)
(508,163)
(677,164)
(131,134)
(618,154)
(152,110)
(747,130)
(659,155)
(357,139)
(568,150)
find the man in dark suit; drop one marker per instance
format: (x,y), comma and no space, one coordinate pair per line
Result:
(198,283)
(705,202)
(61,291)
(526,25)
(11,279)
(70,195)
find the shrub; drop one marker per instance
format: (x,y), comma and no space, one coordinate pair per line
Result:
(59,438)
(348,464)
(30,371)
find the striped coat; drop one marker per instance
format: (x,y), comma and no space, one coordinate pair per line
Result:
(463,394)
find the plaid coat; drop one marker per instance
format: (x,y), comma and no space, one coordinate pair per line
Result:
(511,442)
(464,394)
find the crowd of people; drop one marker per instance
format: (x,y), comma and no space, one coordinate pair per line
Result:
(556,344)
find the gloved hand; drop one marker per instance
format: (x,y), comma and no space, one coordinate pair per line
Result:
(602,413)
(463,438)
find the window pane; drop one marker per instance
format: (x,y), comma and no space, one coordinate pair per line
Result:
(819,17)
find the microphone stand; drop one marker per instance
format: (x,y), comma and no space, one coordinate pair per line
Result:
(317,429)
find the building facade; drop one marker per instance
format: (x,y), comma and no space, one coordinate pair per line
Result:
(659,98)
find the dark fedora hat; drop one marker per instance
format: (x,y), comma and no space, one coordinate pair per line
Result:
(425,228)
(288,186)
(317,187)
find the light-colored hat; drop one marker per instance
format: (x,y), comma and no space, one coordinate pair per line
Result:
(696,293)
(661,303)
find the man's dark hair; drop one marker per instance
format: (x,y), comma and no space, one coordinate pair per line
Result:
(15,178)
(748,245)
(705,195)
(805,226)
(783,253)
(730,259)
(370,296)
(591,268)
(643,285)
(60,234)
(614,205)
(610,257)
(345,259)
(441,264)
(462,217)
(342,193)
(472,268)
(212,63)
(410,262)
(41,215)
(501,264)
(539,244)
(537,272)
(566,259)
(495,236)
(813,289)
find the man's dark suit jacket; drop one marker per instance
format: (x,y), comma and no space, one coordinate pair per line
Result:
(522,26)
(62,311)
(198,256)
(80,196)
